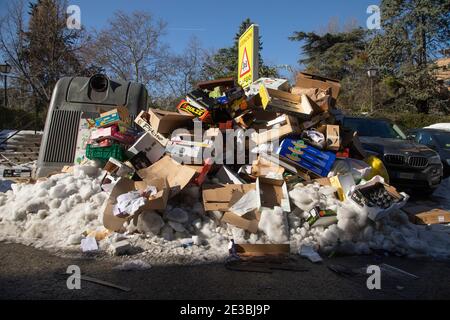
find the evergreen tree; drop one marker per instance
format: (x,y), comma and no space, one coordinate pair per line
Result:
(224,63)
(413,33)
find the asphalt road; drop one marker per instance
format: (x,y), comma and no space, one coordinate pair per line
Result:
(28,273)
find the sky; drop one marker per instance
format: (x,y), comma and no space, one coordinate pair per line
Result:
(215,23)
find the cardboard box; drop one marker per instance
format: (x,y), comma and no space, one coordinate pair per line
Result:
(156,202)
(143,120)
(177,175)
(221,198)
(115,116)
(307,80)
(277,160)
(113,133)
(300,106)
(271,83)
(272,192)
(118,168)
(139,161)
(434,216)
(322,98)
(285,125)
(306,157)
(185,149)
(332,136)
(263,249)
(375,213)
(150,146)
(165,122)
(262,167)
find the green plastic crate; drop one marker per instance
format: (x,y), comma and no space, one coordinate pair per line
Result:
(104,153)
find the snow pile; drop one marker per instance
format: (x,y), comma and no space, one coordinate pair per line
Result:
(59,212)
(133,265)
(53,212)
(356,234)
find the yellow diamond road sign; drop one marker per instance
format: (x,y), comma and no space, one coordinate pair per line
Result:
(248,63)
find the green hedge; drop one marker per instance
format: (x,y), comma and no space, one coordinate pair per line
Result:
(413,120)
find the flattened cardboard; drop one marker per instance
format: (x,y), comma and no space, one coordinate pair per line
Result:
(165,122)
(272,192)
(220,197)
(177,175)
(263,249)
(251,225)
(434,216)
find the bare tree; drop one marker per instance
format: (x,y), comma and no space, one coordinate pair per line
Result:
(130,48)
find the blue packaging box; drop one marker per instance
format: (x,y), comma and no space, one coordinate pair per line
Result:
(307,157)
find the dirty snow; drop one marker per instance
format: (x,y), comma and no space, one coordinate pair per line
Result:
(58,212)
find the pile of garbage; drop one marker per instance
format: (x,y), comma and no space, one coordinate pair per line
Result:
(268,166)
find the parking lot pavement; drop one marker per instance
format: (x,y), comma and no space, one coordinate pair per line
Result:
(28,273)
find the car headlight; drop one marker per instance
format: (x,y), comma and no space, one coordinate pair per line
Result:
(434,160)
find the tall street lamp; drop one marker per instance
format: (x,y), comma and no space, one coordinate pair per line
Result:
(371,73)
(5,69)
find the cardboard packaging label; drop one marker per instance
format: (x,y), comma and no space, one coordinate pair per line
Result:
(307,157)
(142,120)
(115,116)
(85,129)
(186,108)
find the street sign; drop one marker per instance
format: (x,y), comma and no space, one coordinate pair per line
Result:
(248,63)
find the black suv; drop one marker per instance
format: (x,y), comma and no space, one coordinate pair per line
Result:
(409,164)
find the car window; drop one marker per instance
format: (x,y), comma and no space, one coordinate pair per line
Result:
(374,128)
(443,139)
(425,138)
